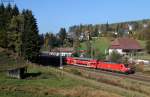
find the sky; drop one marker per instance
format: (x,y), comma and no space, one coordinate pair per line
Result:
(51,15)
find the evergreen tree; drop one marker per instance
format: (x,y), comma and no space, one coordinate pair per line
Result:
(14,33)
(3,39)
(49,41)
(62,35)
(2,16)
(8,14)
(46,41)
(41,39)
(30,37)
(15,10)
(3,27)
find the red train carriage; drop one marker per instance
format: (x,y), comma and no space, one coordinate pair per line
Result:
(87,62)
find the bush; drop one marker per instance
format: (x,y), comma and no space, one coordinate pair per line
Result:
(115,57)
(100,56)
(76,54)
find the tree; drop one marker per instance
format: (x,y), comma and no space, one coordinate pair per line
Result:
(3,27)
(67,43)
(3,39)
(51,41)
(148,46)
(8,14)
(88,49)
(107,27)
(15,10)
(19,32)
(115,57)
(62,35)
(14,34)
(95,32)
(30,37)
(46,41)
(99,56)
(2,16)
(41,39)
(76,41)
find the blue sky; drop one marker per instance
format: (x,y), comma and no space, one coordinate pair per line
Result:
(53,14)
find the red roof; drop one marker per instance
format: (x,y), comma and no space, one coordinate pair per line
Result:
(125,43)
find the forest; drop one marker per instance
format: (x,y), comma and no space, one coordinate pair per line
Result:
(19,32)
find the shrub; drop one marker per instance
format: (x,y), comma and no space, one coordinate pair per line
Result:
(76,54)
(100,56)
(115,57)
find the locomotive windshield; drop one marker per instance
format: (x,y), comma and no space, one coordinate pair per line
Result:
(126,65)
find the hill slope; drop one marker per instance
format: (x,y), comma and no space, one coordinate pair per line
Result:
(100,44)
(8,60)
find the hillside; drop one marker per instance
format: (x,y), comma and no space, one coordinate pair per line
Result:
(100,44)
(7,60)
(121,27)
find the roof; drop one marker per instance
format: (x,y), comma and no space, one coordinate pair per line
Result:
(125,43)
(17,67)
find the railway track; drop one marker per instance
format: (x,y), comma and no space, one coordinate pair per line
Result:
(130,76)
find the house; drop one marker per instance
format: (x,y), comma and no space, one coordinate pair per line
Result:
(17,72)
(125,46)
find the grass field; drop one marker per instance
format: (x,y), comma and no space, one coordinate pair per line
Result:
(100,44)
(51,82)
(48,83)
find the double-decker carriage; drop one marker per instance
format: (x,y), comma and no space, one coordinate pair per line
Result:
(92,63)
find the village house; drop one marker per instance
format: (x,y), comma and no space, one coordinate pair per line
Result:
(125,46)
(17,72)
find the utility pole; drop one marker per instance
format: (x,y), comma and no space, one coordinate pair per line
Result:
(91,49)
(60,57)
(61,66)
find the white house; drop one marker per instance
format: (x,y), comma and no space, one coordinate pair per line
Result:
(124,46)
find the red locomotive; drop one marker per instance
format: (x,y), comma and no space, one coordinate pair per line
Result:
(87,62)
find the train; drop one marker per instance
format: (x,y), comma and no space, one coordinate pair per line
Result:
(96,64)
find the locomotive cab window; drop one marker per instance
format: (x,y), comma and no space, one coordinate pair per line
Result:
(126,65)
